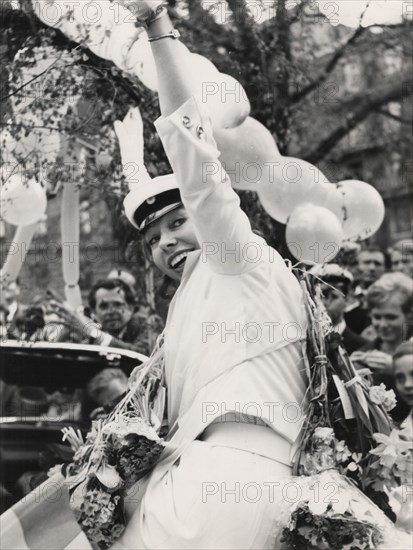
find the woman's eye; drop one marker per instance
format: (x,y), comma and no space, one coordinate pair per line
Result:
(153,240)
(177,222)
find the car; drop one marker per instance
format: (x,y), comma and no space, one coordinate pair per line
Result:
(32,374)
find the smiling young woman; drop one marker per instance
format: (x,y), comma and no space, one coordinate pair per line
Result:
(171,238)
(233,341)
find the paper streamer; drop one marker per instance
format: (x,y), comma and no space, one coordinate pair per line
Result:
(16,254)
(73,295)
(69,224)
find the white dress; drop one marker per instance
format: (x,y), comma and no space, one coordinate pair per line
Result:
(233,344)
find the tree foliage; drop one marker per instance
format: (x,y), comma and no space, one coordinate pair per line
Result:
(288,63)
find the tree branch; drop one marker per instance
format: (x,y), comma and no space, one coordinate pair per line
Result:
(388,114)
(358,108)
(338,54)
(17,90)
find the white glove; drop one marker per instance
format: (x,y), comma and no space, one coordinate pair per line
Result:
(130,136)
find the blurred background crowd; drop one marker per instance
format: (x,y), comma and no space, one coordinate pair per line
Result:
(367,292)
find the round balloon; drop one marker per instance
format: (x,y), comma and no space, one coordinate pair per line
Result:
(22,203)
(224,96)
(227,101)
(249,154)
(314,234)
(294,182)
(140,61)
(359,206)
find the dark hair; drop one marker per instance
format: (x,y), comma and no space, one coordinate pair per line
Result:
(101,380)
(406,348)
(112,284)
(341,283)
(375,248)
(168,286)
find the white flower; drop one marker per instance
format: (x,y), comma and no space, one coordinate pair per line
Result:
(324,434)
(341,502)
(377,394)
(380,396)
(109,477)
(390,400)
(318,506)
(343,453)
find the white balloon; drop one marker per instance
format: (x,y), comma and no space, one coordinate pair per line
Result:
(22,203)
(359,206)
(294,182)
(249,154)
(224,96)
(140,62)
(313,234)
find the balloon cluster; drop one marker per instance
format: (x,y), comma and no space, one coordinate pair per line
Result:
(320,216)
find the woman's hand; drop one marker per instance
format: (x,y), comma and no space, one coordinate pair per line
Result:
(141,9)
(77,320)
(375,360)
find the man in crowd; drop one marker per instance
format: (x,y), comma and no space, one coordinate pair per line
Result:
(15,311)
(401,255)
(335,289)
(371,265)
(112,303)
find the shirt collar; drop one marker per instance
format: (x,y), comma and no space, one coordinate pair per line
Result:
(340,327)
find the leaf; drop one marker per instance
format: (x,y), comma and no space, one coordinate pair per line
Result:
(109,477)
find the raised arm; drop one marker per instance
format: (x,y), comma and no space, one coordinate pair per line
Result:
(186,132)
(174,84)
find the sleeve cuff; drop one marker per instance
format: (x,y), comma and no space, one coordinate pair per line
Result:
(192,117)
(105,340)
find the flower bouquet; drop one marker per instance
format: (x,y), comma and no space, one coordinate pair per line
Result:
(349,436)
(119,450)
(333,513)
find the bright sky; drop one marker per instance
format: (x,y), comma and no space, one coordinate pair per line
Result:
(347,12)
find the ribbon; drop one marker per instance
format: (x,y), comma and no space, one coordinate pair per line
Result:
(16,254)
(69,225)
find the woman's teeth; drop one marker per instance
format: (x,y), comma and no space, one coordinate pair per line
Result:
(178,260)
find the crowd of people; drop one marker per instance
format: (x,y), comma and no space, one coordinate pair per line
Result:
(368,295)
(370,302)
(113,316)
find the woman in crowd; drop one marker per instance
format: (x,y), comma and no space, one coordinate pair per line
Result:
(233,340)
(403,377)
(390,302)
(401,254)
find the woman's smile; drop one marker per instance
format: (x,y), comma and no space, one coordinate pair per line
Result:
(170,239)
